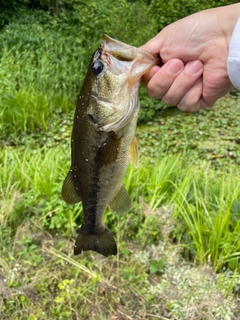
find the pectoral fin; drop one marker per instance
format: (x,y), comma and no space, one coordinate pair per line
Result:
(134,152)
(122,202)
(108,151)
(69,190)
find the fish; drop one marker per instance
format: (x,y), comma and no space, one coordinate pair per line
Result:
(103,140)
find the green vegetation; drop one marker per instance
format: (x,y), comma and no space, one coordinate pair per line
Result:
(179,246)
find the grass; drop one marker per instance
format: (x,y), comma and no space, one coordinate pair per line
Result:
(182,228)
(184,223)
(204,200)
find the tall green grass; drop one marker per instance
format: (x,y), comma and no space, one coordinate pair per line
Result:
(30,187)
(205,201)
(206,205)
(40,73)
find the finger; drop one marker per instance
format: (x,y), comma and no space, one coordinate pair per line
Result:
(183,83)
(192,101)
(147,76)
(163,78)
(216,84)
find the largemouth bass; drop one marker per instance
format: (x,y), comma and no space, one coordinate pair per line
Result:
(103,140)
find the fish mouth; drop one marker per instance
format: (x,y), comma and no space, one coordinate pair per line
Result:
(132,61)
(126,53)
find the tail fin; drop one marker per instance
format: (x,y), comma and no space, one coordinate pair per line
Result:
(102,242)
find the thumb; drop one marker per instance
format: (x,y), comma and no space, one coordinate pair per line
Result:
(153,45)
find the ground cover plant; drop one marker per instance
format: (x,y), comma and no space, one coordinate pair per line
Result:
(178,246)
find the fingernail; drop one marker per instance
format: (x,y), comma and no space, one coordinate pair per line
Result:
(194,67)
(174,66)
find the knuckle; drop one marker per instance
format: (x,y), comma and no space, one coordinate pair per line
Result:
(193,107)
(168,100)
(153,94)
(183,108)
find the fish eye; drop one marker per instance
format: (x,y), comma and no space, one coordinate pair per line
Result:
(97,67)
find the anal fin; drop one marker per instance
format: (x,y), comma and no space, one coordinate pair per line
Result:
(121,202)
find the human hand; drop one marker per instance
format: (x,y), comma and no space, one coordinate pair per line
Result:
(194,51)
